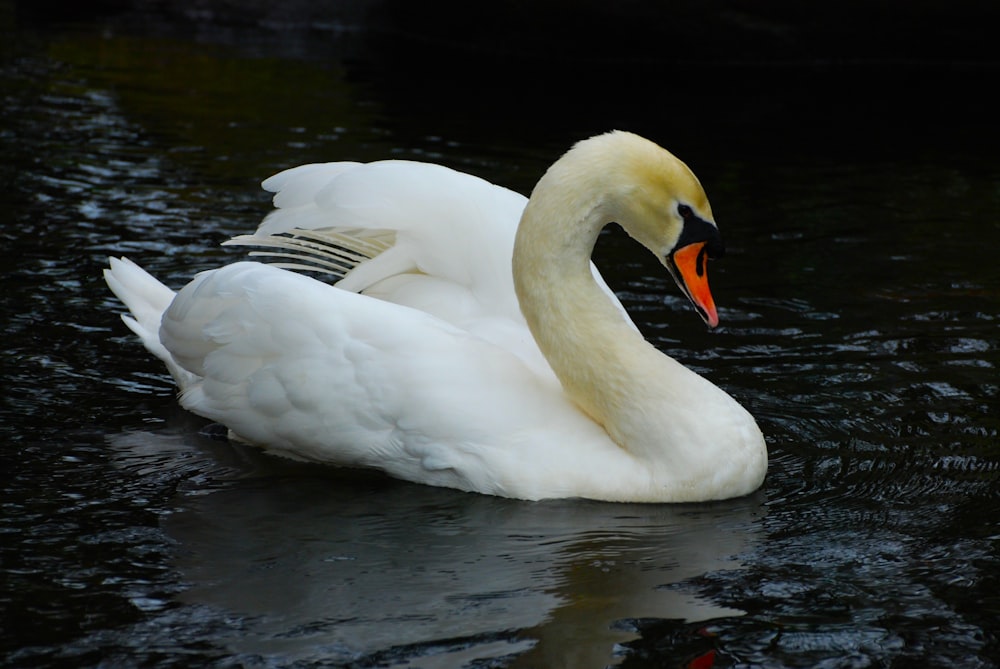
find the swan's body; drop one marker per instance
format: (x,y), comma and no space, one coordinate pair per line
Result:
(434,362)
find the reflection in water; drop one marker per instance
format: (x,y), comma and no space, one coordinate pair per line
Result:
(322,566)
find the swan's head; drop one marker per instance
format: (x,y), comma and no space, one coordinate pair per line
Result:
(660,203)
(668,213)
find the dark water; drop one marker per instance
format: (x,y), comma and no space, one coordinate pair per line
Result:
(860,304)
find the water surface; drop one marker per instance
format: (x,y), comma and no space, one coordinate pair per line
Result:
(859,302)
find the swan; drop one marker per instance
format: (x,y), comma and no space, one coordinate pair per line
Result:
(469,342)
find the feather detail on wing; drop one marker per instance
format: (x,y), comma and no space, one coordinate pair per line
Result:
(366,223)
(329,251)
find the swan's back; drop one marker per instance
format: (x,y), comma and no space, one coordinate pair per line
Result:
(419,235)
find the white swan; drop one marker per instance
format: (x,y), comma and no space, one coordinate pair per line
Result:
(432,361)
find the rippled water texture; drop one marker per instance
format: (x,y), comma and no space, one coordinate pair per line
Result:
(859,302)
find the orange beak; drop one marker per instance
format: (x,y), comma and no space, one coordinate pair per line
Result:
(690,265)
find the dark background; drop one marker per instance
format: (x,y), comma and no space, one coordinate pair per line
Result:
(748,74)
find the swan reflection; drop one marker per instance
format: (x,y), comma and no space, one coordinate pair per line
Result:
(333,566)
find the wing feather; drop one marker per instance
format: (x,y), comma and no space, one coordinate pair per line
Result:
(298,366)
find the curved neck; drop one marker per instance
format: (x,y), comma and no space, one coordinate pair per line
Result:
(604,364)
(687,435)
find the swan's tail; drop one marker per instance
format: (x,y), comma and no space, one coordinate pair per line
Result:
(146,299)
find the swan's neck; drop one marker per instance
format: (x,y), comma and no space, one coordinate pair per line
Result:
(610,371)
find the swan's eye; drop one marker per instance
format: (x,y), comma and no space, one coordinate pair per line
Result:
(685,211)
